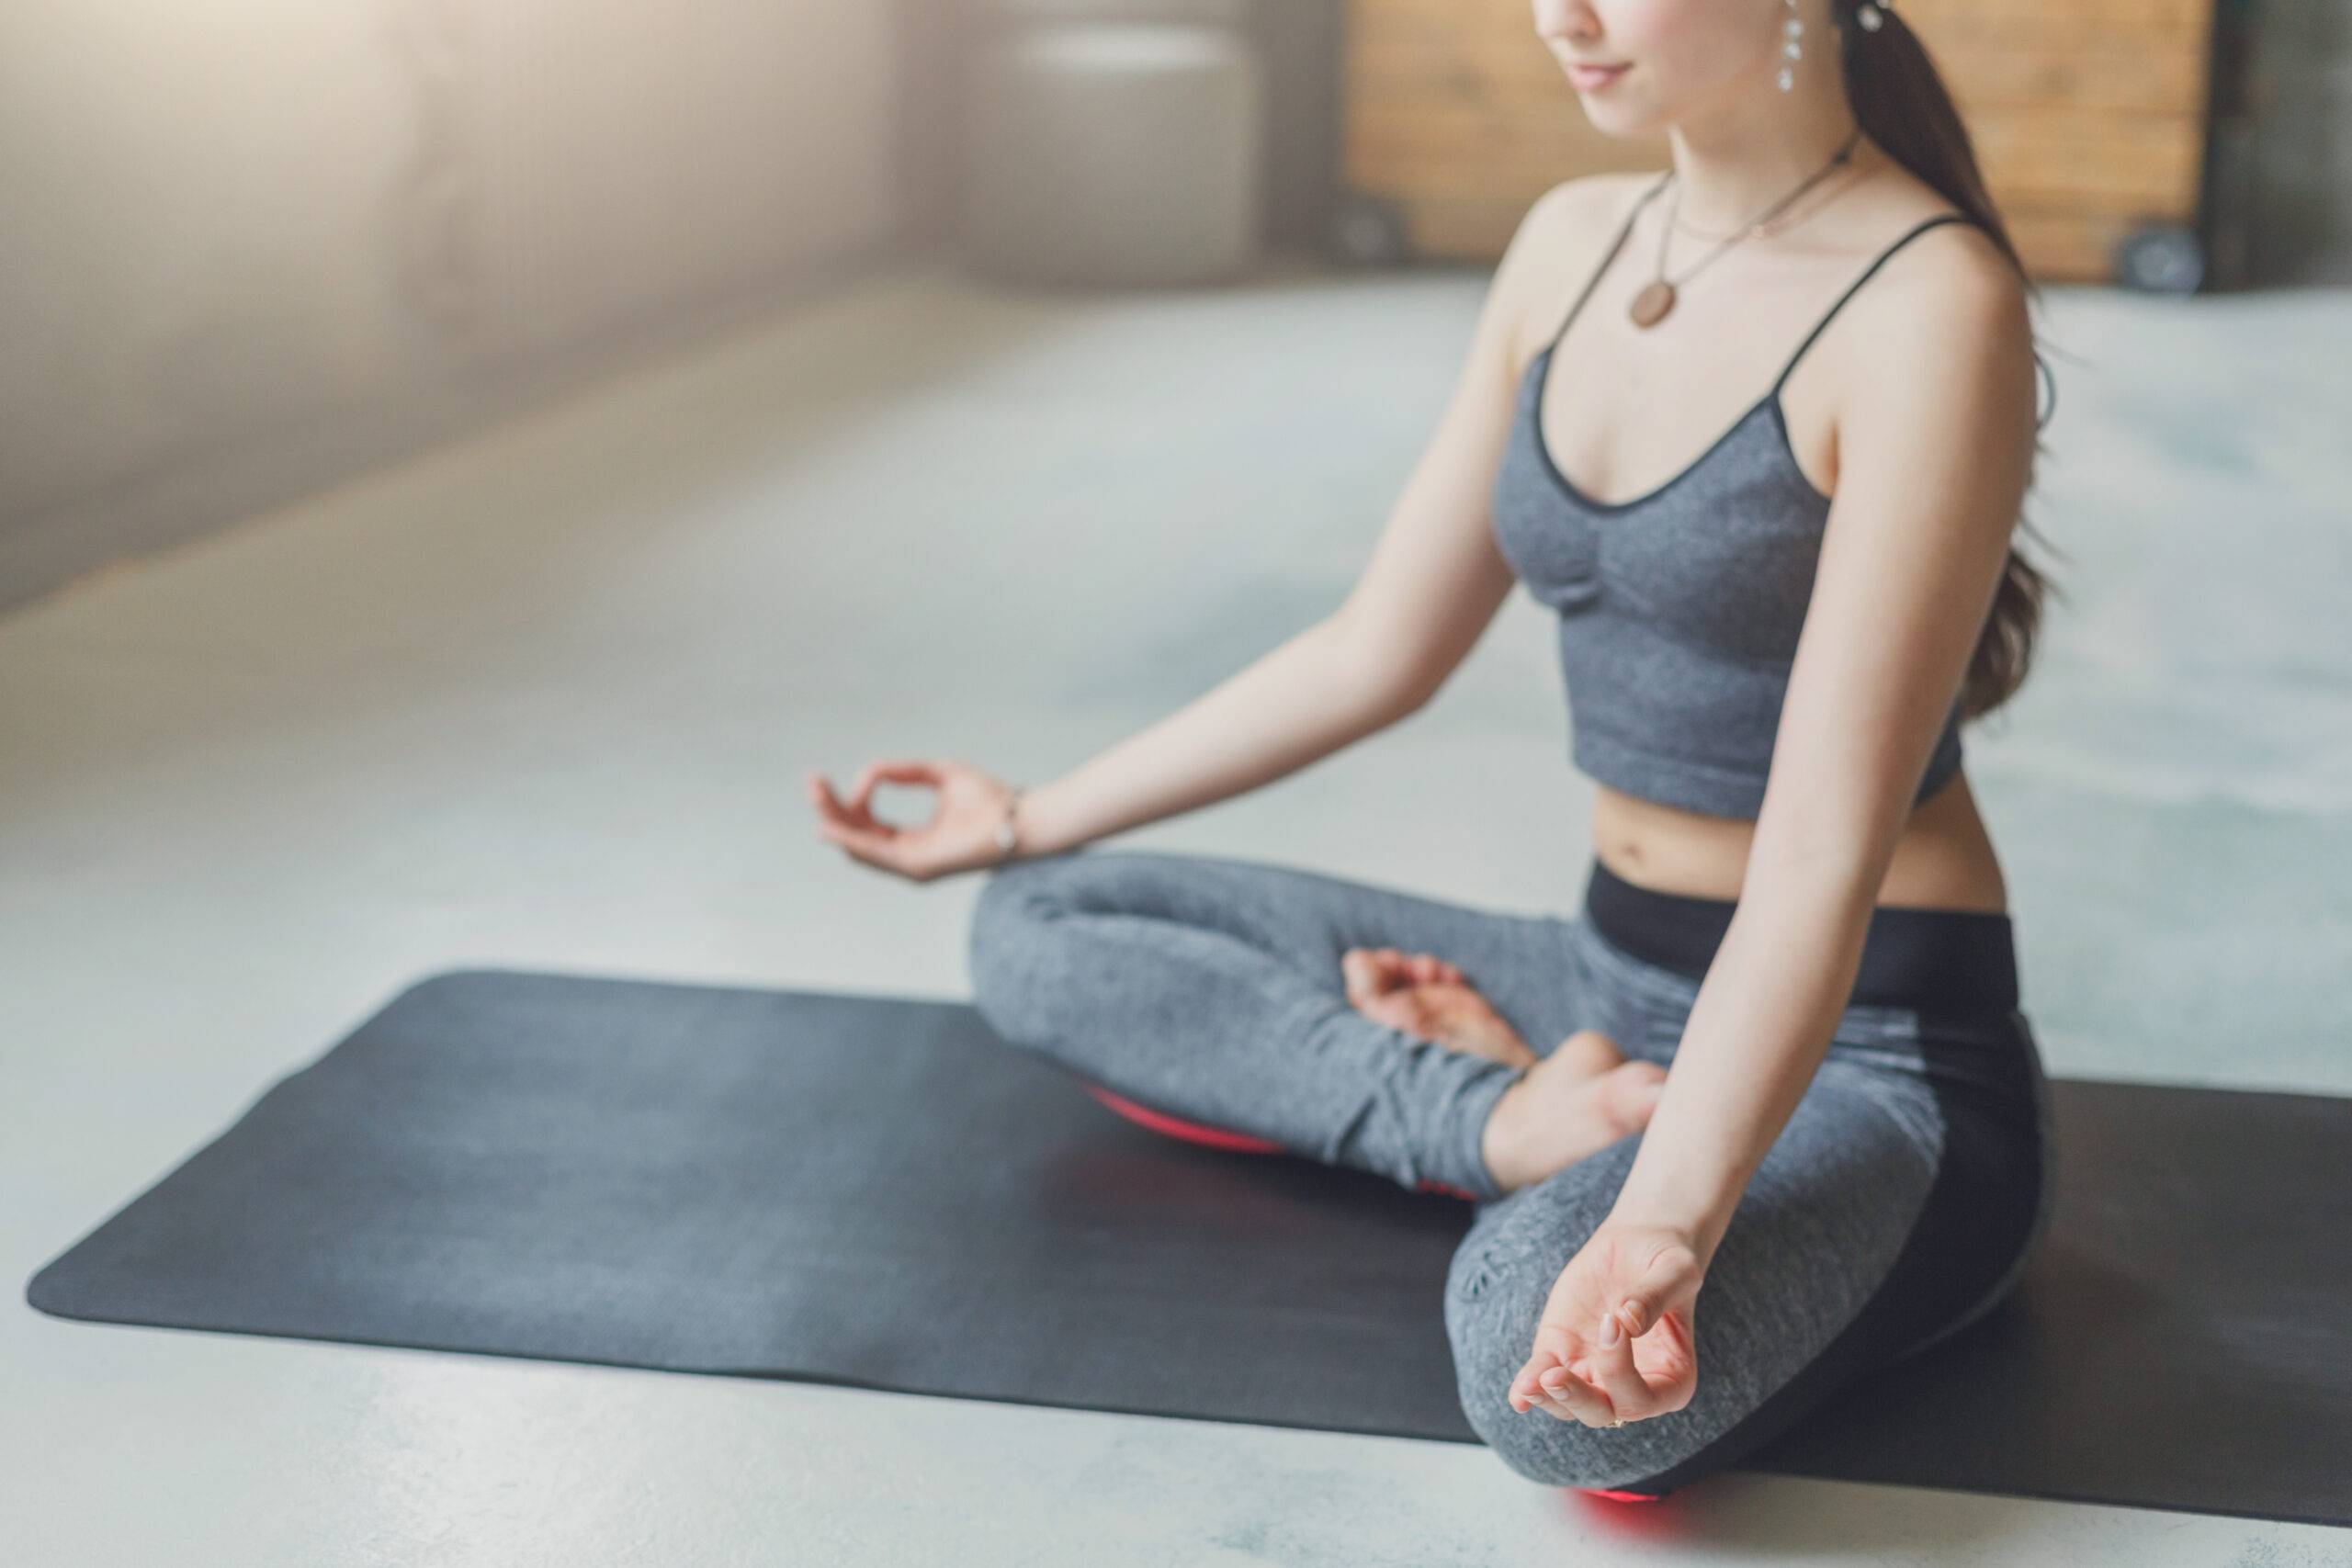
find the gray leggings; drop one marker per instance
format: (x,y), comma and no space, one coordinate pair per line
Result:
(1896,1207)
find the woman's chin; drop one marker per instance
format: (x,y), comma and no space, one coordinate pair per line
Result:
(1613,113)
(1618,122)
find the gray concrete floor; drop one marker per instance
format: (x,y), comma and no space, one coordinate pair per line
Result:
(544,698)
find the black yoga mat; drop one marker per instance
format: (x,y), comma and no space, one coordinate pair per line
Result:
(877,1191)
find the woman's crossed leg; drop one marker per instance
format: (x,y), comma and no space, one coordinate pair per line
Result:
(1212,990)
(1824,1272)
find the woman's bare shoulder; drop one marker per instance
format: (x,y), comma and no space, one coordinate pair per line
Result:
(1562,236)
(1581,207)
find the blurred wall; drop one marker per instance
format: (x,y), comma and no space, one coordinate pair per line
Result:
(252,247)
(2301,128)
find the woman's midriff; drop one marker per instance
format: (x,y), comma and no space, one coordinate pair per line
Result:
(1943,859)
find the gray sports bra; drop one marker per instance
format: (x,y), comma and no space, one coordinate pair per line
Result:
(1678,610)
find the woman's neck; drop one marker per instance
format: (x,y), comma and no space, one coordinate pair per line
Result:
(1734,163)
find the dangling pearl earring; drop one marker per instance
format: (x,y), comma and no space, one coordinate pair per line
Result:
(1869,16)
(1791,30)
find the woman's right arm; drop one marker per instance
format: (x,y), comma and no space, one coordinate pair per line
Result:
(1428,592)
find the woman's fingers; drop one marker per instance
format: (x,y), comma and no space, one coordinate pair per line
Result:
(835,821)
(891,769)
(875,846)
(1527,1385)
(854,816)
(1613,1343)
(832,809)
(958,834)
(1374,971)
(855,832)
(1547,1384)
(1613,1371)
(1573,1398)
(864,846)
(821,794)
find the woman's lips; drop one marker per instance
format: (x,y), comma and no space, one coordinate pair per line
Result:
(1586,78)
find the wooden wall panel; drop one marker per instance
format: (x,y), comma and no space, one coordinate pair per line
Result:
(2088,117)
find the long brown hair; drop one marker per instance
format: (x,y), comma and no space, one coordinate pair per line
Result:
(1900,101)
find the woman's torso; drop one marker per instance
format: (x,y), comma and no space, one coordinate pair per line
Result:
(1944,857)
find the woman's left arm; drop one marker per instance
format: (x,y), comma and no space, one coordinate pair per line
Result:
(1935,458)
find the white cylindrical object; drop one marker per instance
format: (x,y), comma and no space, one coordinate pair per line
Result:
(1112,151)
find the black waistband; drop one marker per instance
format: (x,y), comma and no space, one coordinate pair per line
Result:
(1939,961)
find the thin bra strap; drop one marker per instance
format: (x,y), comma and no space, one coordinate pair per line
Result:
(1611,254)
(1918,229)
(1914,231)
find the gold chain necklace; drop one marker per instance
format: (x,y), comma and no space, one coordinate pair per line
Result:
(1764,229)
(1656,296)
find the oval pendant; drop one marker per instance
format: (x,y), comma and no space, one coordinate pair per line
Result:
(1652,303)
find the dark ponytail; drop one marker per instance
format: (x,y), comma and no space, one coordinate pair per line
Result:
(1902,104)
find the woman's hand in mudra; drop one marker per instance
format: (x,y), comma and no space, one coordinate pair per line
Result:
(959,835)
(1424,995)
(1615,1340)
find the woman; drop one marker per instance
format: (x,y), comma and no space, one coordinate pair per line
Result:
(1779,1054)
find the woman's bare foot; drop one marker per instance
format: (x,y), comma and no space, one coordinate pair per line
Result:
(1424,995)
(1579,1100)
